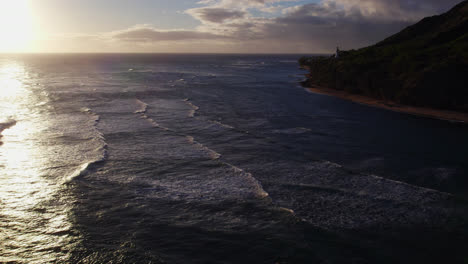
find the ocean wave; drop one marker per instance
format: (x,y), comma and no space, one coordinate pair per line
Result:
(7,124)
(222,124)
(408,185)
(143,107)
(287,210)
(142,111)
(194,109)
(261,193)
(84,169)
(221,182)
(102,149)
(292,131)
(361,197)
(213,154)
(375,180)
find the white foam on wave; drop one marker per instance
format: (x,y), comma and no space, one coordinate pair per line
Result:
(152,122)
(287,210)
(222,124)
(143,114)
(247,180)
(365,199)
(143,107)
(408,185)
(142,111)
(85,167)
(389,181)
(217,183)
(251,179)
(213,154)
(194,109)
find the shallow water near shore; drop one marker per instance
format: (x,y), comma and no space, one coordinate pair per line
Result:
(217,159)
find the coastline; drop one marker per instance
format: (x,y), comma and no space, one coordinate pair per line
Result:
(445,115)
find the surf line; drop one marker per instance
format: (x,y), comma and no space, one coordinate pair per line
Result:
(213,154)
(194,109)
(6,125)
(86,167)
(142,111)
(260,192)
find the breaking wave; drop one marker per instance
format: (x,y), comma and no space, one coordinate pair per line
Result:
(213,154)
(142,112)
(251,179)
(194,109)
(143,107)
(7,124)
(86,167)
(222,124)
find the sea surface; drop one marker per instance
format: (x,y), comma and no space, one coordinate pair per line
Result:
(217,159)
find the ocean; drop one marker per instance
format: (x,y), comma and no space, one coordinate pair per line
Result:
(186,158)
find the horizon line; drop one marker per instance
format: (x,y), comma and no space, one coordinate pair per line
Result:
(161,53)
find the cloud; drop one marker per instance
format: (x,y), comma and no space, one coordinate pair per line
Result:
(401,10)
(219,11)
(319,26)
(240,26)
(323,28)
(242,4)
(215,15)
(146,33)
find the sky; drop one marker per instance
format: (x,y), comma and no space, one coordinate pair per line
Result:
(200,26)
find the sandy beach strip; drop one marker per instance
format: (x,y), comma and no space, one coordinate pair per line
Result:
(392,106)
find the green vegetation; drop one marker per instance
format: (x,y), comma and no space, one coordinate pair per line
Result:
(424,65)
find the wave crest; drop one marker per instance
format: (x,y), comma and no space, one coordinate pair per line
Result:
(103,153)
(194,109)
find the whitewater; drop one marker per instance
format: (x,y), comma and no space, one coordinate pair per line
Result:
(148,158)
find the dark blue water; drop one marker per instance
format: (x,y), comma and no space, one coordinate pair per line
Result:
(217,159)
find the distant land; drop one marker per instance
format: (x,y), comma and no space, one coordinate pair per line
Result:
(421,70)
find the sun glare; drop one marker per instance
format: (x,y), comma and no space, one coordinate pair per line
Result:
(16,27)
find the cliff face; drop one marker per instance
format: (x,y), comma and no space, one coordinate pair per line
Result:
(424,65)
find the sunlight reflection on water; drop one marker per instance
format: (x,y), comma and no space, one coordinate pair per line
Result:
(13,91)
(30,228)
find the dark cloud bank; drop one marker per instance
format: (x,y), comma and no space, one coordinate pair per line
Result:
(303,28)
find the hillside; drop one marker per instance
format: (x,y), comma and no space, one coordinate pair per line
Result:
(424,65)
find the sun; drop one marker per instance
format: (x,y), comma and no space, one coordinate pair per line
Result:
(16,27)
